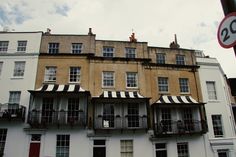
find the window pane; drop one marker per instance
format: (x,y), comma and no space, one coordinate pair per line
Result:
(108,115)
(108,79)
(50,74)
(21,46)
(74,74)
(211,90)
(133,115)
(19,69)
(53,48)
(217,125)
(131,80)
(183,83)
(160,58)
(180,59)
(76,48)
(63,145)
(161,150)
(108,52)
(163,84)
(182,149)
(130,52)
(223,153)
(3,135)
(14,97)
(3,46)
(126,147)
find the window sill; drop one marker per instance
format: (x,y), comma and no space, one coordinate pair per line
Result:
(73,82)
(16,78)
(187,93)
(216,101)
(108,87)
(166,93)
(132,88)
(49,82)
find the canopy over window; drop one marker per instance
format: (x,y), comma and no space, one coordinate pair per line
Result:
(75,88)
(121,94)
(176,100)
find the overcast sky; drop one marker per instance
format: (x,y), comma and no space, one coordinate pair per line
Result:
(155,21)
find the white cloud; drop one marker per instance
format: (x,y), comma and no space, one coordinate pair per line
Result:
(154,21)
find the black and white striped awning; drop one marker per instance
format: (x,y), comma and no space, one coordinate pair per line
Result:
(120,94)
(75,88)
(176,100)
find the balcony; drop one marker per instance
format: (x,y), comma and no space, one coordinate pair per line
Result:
(127,122)
(43,119)
(168,127)
(12,112)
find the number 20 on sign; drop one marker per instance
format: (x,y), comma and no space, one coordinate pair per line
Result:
(227,31)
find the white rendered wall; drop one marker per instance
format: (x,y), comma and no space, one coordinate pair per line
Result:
(16,136)
(210,70)
(33,40)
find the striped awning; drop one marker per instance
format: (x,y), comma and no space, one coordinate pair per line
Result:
(120,94)
(75,88)
(176,100)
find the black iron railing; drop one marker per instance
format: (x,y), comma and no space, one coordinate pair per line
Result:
(118,122)
(170,127)
(51,117)
(12,112)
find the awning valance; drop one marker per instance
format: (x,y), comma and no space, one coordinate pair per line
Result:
(74,88)
(120,94)
(166,99)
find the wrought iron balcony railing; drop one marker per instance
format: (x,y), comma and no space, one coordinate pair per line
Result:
(118,122)
(12,112)
(40,118)
(169,127)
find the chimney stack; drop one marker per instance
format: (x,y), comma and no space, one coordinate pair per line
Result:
(174,44)
(90,31)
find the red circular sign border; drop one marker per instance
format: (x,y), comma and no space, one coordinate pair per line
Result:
(218,32)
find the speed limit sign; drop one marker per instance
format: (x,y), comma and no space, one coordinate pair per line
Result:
(227,31)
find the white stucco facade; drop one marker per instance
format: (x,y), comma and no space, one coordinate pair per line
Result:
(16,136)
(210,71)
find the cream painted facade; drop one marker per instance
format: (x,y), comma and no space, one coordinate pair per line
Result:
(116,101)
(13,116)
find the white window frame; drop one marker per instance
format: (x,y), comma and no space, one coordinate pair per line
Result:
(22,44)
(50,74)
(76,74)
(53,48)
(63,150)
(131,76)
(226,151)
(160,149)
(126,148)
(19,69)
(160,58)
(3,136)
(1,67)
(14,97)
(163,83)
(184,85)
(108,51)
(180,60)
(4,46)
(211,90)
(180,151)
(14,101)
(106,79)
(130,52)
(76,48)
(217,125)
